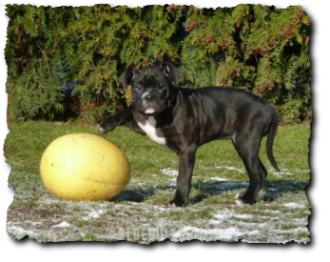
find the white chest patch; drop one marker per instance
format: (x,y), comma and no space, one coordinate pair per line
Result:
(150,129)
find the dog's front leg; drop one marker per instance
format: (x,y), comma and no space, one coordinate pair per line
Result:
(183,184)
(122,118)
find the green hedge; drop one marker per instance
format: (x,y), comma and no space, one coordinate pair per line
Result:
(258,48)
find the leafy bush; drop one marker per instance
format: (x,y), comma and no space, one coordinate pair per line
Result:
(253,47)
(257,48)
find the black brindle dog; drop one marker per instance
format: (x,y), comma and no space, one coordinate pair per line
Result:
(184,119)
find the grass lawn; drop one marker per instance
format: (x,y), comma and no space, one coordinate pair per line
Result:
(139,213)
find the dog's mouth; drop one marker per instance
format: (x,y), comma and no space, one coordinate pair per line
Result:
(150,111)
(149,108)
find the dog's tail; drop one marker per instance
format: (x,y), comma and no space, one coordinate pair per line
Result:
(270,139)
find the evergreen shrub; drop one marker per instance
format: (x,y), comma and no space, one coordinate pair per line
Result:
(67,60)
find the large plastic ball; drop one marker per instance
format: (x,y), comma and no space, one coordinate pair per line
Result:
(83,166)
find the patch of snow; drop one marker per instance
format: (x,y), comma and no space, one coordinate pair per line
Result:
(283,173)
(94,214)
(301,221)
(231,168)
(228,214)
(217,179)
(294,205)
(290,231)
(230,233)
(32,223)
(243,216)
(213,222)
(63,224)
(288,172)
(19,232)
(169,172)
(272,211)
(221,216)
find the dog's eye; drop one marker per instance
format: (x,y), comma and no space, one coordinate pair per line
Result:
(138,86)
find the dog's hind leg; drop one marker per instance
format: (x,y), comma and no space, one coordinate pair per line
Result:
(247,145)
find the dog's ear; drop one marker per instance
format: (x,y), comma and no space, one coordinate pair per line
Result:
(127,76)
(171,72)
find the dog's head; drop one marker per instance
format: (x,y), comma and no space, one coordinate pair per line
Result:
(151,86)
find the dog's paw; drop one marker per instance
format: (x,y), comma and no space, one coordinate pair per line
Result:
(239,195)
(241,201)
(238,201)
(102,130)
(174,204)
(170,205)
(108,125)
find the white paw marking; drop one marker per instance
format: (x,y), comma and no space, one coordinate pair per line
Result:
(238,202)
(102,131)
(169,205)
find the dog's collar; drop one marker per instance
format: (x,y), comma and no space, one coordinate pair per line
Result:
(170,103)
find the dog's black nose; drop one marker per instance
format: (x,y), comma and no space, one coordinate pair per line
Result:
(149,98)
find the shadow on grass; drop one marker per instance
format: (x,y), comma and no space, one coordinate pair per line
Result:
(134,195)
(274,189)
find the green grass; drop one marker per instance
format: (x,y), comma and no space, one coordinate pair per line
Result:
(141,206)
(27,141)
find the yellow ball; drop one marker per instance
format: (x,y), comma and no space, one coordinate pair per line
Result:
(82,166)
